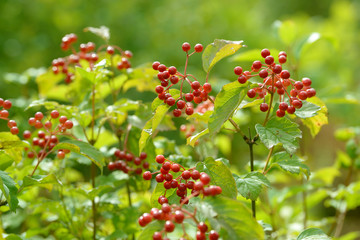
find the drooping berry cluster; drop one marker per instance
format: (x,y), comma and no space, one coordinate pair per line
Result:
(5,105)
(173,214)
(170,75)
(86,52)
(128,163)
(44,138)
(276,80)
(182,183)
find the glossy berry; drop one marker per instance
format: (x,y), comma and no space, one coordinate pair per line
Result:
(207,87)
(39,116)
(181,104)
(157,236)
(205,179)
(280,113)
(251,93)
(177,112)
(257,65)
(269,60)
(238,70)
(195,85)
(54,114)
(170,101)
(14,130)
(285,74)
(242,79)
(68,124)
(283,106)
(202,227)
(186,47)
(264,107)
(186,174)
(213,235)
(60,154)
(147,175)
(169,226)
(179,216)
(265,52)
(263,73)
(198,48)
(155,65)
(189,111)
(160,159)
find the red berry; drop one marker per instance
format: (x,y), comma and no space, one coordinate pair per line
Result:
(264,107)
(177,112)
(306,82)
(39,115)
(257,65)
(68,124)
(238,70)
(263,73)
(207,87)
(4,113)
(251,93)
(159,89)
(54,114)
(299,85)
(283,106)
(186,174)
(155,65)
(160,159)
(157,236)
(189,97)
(186,47)
(202,227)
(14,130)
(162,68)
(200,236)
(189,111)
(302,95)
(310,92)
(277,69)
(175,167)
(213,235)
(198,186)
(165,74)
(166,166)
(242,79)
(60,154)
(282,59)
(62,119)
(27,134)
(170,101)
(204,178)
(38,124)
(180,104)
(179,216)
(11,123)
(297,103)
(172,70)
(169,226)
(282,53)
(147,175)
(190,184)
(280,113)
(174,79)
(269,60)
(265,52)
(159,178)
(195,174)
(195,85)
(291,109)
(198,47)
(284,74)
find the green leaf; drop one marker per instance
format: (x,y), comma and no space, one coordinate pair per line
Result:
(102,32)
(84,149)
(307,110)
(235,218)
(251,185)
(192,139)
(89,76)
(99,191)
(287,31)
(9,189)
(218,50)
(161,191)
(250,55)
(313,234)
(149,230)
(316,122)
(220,175)
(146,133)
(226,102)
(6,160)
(40,180)
(47,81)
(8,141)
(292,164)
(43,103)
(279,131)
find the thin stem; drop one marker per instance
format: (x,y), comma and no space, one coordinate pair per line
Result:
(268,160)
(93,175)
(271,101)
(129,199)
(251,143)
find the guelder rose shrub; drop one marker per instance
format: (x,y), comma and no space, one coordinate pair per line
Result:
(84,120)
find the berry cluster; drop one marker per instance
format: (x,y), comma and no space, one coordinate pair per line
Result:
(182,183)
(44,138)
(86,52)
(126,162)
(173,214)
(198,92)
(276,80)
(4,114)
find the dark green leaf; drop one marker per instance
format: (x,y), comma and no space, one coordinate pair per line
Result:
(251,185)
(280,131)
(218,50)
(9,189)
(84,149)
(312,234)
(220,175)
(226,102)
(292,164)
(235,218)
(307,110)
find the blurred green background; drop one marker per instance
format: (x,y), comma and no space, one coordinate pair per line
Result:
(321,37)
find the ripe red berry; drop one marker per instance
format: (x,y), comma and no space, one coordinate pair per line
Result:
(283,106)
(4,113)
(177,112)
(62,119)
(160,159)
(213,235)
(282,53)
(165,74)
(174,79)
(186,174)
(291,109)
(257,64)
(159,89)
(269,60)
(27,134)
(302,95)
(207,87)
(282,59)
(277,69)
(204,178)
(251,93)
(238,70)
(198,186)
(202,227)
(189,97)
(54,114)
(198,47)
(14,130)
(189,111)
(181,104)
(263,73)
(159,178)
(39,115)
(38,124)
(60,154)
(162,68)
(284,74)
(68,124)
(195,85)
(242,79)
(306,82)
(264,107)
(175,167)
(310,92)
(195,174)
(299,85)
(186,47)
(147,175)
(155,65)
(172,70)
(170,101)
(297,103)
(280,113)
(179,216)
(169,226)
(265,52)
(200,236)
(157,236)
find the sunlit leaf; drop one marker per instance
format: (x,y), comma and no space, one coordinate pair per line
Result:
(313,234)
(9,190)
(251,185)
(316,122)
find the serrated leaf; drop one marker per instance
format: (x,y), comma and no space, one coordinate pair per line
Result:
(8,141)
(226,102)
(218,50)
(89,76)
(251,185)
(235,218)
(292,164)
(102,32)
(313,234)
(316,122)
(39,180)
(279,131)
(84,149)
(220,175)
(6,160)
(43,103)
(192,139)
(9,190)
(307,110)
